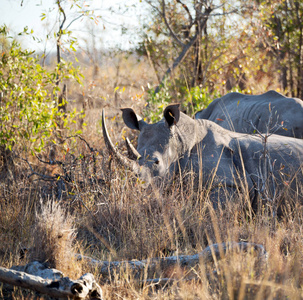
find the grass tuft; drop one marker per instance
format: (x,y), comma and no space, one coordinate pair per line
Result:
(53,238)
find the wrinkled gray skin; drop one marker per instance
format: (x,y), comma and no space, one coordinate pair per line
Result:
(179,143)
(236,111)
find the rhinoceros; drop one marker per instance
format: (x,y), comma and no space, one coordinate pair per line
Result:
(220,159)
(267,113)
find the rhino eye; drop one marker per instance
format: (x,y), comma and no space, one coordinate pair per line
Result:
(156,161)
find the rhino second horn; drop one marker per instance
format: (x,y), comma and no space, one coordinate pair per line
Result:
(132,152)
(123,160)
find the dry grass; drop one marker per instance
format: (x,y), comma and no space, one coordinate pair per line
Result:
(54,237)
(106,214)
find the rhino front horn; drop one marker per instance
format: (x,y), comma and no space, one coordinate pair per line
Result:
(123,160)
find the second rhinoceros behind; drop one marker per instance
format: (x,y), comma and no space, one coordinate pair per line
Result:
(270,112)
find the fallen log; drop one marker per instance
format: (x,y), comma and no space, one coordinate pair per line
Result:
(208,255)
(53,283)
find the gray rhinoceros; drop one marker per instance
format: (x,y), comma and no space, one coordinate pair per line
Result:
(223,161)
(265,113)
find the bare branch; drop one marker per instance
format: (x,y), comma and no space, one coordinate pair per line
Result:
(184,51)
(153,6)
(74,21)
(83,140)
(64,15)
(42,176)
(168,26)
(188,12)
(224,14)
(150,62)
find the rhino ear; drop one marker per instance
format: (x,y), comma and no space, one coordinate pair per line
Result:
(172,114)
(131,119)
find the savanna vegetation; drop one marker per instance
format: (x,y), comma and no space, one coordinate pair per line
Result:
(62,194)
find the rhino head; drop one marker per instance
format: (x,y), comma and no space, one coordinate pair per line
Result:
(160,145)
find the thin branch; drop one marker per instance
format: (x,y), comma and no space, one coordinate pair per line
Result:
(83,140)
(53,162)
(74,21)
(184,51)
(168,26)
(224,14)
(153,6)
(42,176)
(59,35)
(188,12)
(64,15)
(150,62)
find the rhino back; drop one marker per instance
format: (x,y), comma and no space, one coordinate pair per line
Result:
(245,113)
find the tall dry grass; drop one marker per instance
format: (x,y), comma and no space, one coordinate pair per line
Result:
(116,219)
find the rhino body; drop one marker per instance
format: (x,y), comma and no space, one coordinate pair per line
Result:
(265,113)
(220,159)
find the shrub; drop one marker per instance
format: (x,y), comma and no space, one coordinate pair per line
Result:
(28,110)
(192,100)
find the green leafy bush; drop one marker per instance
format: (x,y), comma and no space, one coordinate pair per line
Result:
(28,109)
(198,98)
(192,100)
(157,103)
